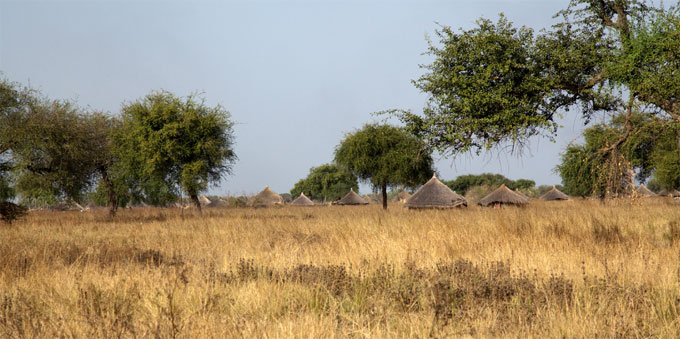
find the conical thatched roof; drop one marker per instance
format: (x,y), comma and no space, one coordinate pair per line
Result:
(373,198)
(302,200)
(66,205)
(672,193)
(203,200)
(402,196)
(219,202)
(434,194)
(267,198)
(554,194)
(504,196)
(642,190)
(352,198)
(521,194)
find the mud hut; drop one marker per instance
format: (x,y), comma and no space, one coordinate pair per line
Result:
(644,191)
(434,194)
(302,200)
(503,196)
(267,198)
(352,198)
(402,196)
(673,193)
(553,195)
(203,200)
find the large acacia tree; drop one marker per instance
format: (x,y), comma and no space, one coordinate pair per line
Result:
(385,156)
(181,142)
(498,85)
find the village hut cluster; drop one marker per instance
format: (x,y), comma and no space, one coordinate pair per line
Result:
(432,195)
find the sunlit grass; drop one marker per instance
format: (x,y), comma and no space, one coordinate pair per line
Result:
(574,269)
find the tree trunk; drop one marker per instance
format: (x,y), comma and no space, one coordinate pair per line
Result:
(194,199)
(384,196)
(113,197)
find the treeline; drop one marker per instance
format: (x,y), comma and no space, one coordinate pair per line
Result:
(158,147)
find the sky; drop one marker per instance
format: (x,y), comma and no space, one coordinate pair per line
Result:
(296,76)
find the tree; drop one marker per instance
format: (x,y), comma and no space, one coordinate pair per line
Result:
(650,150)
(327,182)
(464,182)
(385,156)
(14,103)
(497,85)
(54,152)
(167,144)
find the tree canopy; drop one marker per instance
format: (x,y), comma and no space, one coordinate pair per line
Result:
(496,85)
(651,151)
(464,182)
(326,182)
(167,144)
(385,155)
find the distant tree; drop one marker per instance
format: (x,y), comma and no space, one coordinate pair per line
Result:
(169,144)
(464,182)
(326,182)
(385,156)
(14,105)
(54,152)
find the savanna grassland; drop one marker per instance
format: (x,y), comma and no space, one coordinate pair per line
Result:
(572,269)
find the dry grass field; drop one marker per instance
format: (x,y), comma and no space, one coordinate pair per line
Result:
(572,269)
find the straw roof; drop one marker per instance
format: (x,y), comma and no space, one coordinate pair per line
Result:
(203,200)
(642,190)
(302,200)
(504,196)
(373,198)
(554,194)
(521,194)
(434,194)
(673,193)
(66,205)
(219,202)
(402,196)
(267,198)
(351,199)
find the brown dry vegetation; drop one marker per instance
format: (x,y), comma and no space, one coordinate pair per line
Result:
(571,269)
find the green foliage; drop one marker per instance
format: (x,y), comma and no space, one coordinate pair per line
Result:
(385,156)
(484,87)
(651,149)
(56,151)
(327,182)
(167,144)
(464,183)
(496,84)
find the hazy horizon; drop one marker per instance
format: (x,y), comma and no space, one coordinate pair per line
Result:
(296,76)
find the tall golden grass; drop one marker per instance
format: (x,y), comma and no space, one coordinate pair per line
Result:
(569,269)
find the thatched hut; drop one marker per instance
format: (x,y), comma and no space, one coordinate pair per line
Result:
(352,198)
(644,191)
(434,194)
(402,196)
(521,194)
(673,193)
(553,195)
(503,196)
(267,198)
(203,200)
(302,200)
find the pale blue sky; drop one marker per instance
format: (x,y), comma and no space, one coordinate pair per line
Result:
(295,75)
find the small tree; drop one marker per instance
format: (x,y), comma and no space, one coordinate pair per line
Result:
(326,182)
(181,142)
(385,156)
